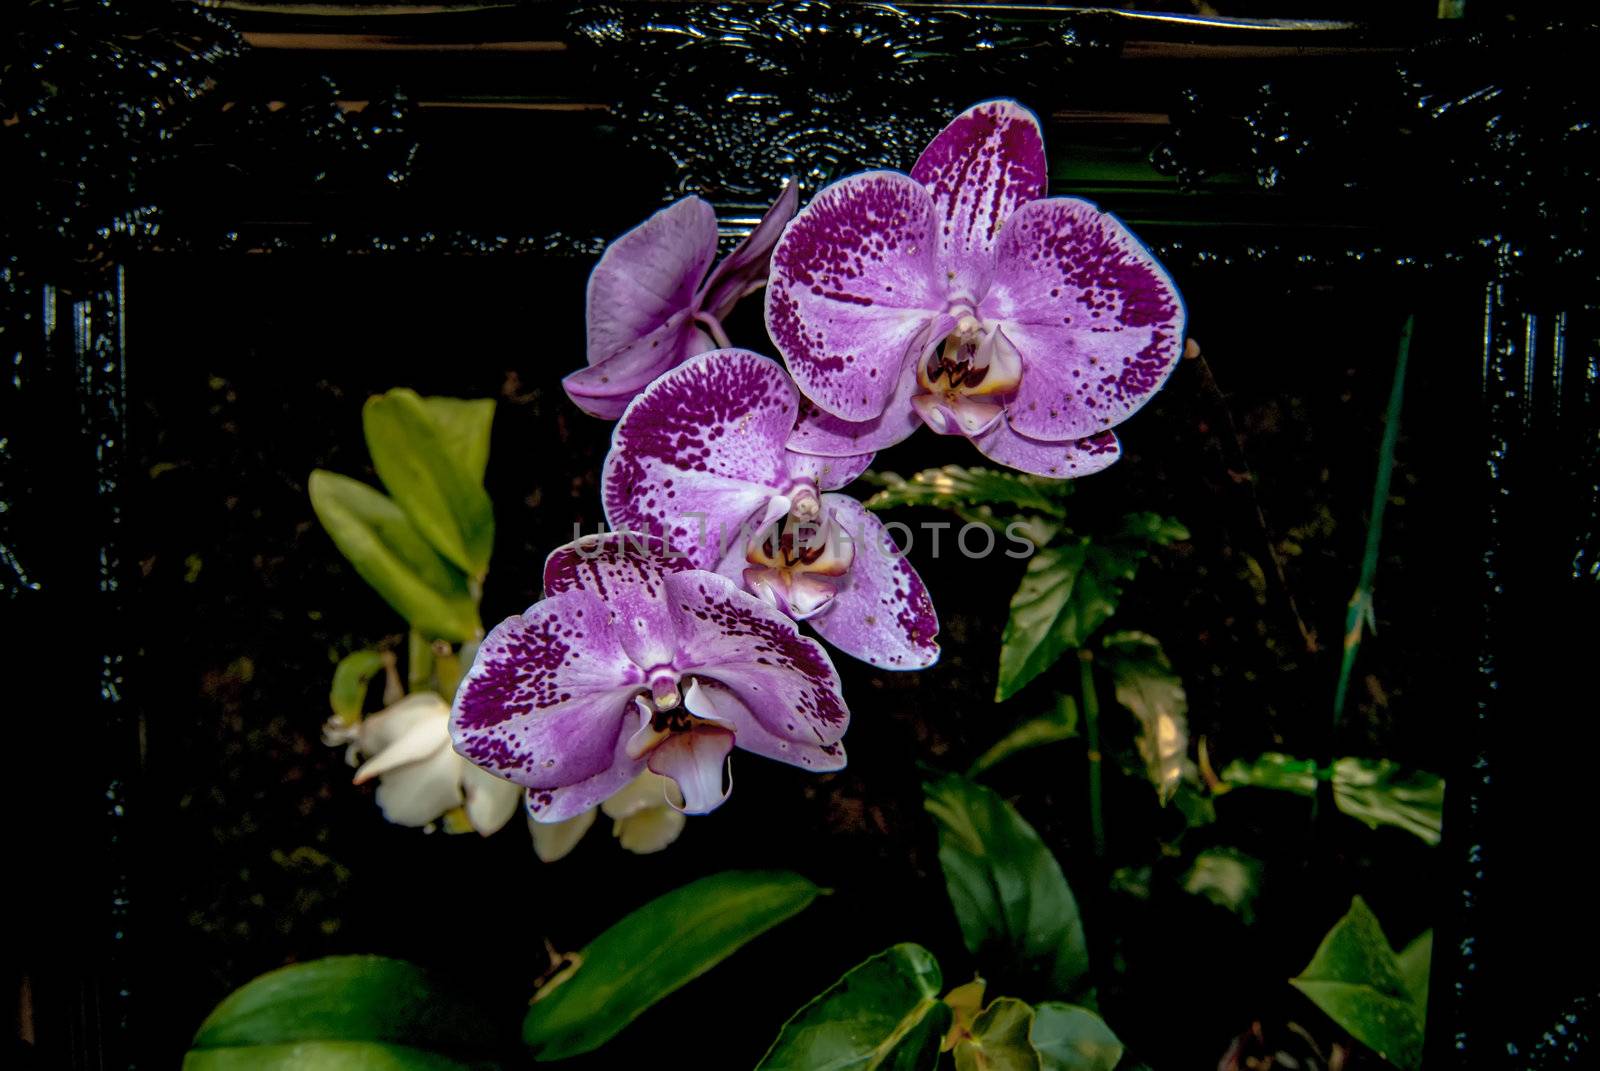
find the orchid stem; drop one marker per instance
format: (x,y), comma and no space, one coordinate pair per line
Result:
(714,325)
(1360,613)
(1091,732)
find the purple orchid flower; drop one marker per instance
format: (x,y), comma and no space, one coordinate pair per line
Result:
(958,296)
(652,304)
(701,460)
(634,662)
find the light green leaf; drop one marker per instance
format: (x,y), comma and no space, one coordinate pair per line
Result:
(1416,961)
(358,1012)
(463,426)
(1070,1038)
(351,678)
(1016,912)
(1147,688)
(884,1013)
(1378,792)
(1375,791)
(1000,1039)
(1228,878)
(391,555)
(672,940)
(1356,979)
(1061,723)
(953,487)
(431,458)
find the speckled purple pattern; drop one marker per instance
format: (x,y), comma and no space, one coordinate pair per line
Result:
(1095,322)
(882,613)
(980,169)
(1063,460)
(546,695)
(786,680)
(624,571)
(706,438)
(753,736)
(556,693)
(647,294)
(1074,284)
(853,282)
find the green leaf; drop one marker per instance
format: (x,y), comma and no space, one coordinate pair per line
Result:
(431,458)
(328,1056)
(351,678)
(1070,1038)
(1068,591)
(1416,961)
(1375,791)
(1016,912)
(1000,1039)
(391,555)
(1228,878)
(1147,688)
(1061,723)
(1356,979)
(884,1013)
(672,940)
(343,1011)
(953,487)
(1378,792)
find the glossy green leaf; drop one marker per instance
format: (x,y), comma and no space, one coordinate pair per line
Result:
(358,1012)
(672,940)
(431,457)
(328,1056)
(883,1014)
(954,486)
(1070,1038)
(1149,689)
(1375,791)
(1228,878)
(1016,912)
(999,1040)
(391,555)
(1061,723)
(1356,979)
(1068,590)
(351,679)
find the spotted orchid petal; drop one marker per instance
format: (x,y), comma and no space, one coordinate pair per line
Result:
(716,702)
(882,613)
(1064,460)
(605,388)
(1095,316)
(545,699)
(785,680)
(744,270)
(648,275)
(557,702)
(980,169)
(701,451)
(624,571)
(820,432)
(828,473)
(854,283)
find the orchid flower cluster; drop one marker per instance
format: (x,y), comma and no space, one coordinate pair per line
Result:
(957,298)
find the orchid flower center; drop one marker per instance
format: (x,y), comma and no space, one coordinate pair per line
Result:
(662,714)
(798,561)
(959,376)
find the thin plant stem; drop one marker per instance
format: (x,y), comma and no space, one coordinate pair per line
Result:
(1359,614)
(1091,733)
